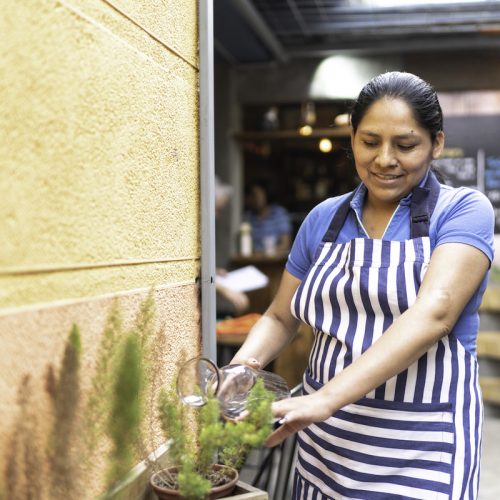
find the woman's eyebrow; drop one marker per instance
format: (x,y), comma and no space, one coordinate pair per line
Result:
(399,136)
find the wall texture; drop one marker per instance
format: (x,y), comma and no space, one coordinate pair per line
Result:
(99,184)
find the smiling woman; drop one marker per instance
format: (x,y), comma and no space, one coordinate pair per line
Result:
(391,405)
(393,145)
(390,160)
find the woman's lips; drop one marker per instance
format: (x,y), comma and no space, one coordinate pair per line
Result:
(386,180)
(386,177)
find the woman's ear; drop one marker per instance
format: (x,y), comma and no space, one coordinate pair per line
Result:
(438,146)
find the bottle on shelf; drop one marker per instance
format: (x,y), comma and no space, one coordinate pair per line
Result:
(245,239)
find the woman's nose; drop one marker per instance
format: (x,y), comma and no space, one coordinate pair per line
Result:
(386,156)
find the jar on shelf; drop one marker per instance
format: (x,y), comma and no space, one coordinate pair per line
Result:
(245,239)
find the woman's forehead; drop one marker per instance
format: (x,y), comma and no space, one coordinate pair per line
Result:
(393,113)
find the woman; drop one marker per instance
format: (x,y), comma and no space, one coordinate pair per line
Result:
(390,277)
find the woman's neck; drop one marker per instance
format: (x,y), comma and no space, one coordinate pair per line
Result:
(376,217)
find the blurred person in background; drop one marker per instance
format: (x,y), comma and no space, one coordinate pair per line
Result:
(228,302)
(270,222)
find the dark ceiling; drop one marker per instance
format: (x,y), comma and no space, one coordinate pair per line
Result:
(264,31)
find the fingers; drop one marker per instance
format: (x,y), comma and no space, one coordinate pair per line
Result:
(284,407)
(276,437)
(250,362)
(253,363)
(285,430)
(244,414)
(291,420)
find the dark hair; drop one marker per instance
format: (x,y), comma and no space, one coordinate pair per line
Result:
(418,94)
(265,185)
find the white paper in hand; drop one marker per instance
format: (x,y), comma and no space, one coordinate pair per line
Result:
(244,279)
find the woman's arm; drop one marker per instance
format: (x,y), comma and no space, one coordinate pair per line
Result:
(275,328)
(455,272)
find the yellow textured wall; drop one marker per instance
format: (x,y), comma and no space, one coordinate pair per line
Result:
(99,184)
(99,151)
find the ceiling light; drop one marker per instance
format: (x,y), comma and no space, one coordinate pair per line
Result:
(325,145)
(341,120)
(308,113)
(342,77)
(305,130)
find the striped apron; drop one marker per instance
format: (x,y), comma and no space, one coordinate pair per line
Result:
(419,434)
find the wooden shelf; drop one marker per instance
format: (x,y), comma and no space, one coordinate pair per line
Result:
(333,132)
(490,387)
(491,298)
(488,344)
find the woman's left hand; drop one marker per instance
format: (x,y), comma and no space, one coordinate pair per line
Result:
(296,414)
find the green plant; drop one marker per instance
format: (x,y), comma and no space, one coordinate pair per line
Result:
(195,449)
(57,463)
(126,414)
(96,411)
(120,387)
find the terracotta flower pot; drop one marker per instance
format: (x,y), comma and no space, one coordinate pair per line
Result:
(224,490)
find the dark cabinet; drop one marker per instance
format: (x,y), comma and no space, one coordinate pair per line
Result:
(300,174)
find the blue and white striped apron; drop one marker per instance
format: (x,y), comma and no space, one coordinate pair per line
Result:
(419,434)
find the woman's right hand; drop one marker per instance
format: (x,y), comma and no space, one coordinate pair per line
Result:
(298,413)
(250,362)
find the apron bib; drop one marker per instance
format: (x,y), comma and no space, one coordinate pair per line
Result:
(417,435)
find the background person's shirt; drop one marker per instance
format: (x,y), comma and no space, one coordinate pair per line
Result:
(276,223)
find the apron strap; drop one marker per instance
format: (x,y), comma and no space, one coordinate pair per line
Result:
(338,219)
(423,202)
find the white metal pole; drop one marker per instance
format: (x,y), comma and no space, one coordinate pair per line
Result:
(207,196)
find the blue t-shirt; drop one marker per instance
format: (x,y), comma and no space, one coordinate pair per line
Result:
(461,215)
(276,223)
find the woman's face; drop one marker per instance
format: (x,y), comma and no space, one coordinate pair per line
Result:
(392,151)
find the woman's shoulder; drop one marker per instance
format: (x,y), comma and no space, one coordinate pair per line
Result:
(328,206)
(318,219)
(464,215)
(456,198)
(310,235)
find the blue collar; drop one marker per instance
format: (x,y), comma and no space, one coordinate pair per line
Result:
(422,201)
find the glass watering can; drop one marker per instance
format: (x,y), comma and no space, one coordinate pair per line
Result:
(200,378)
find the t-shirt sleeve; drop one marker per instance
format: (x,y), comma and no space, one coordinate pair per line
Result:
(469,219)
(299,257)
(308,238)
